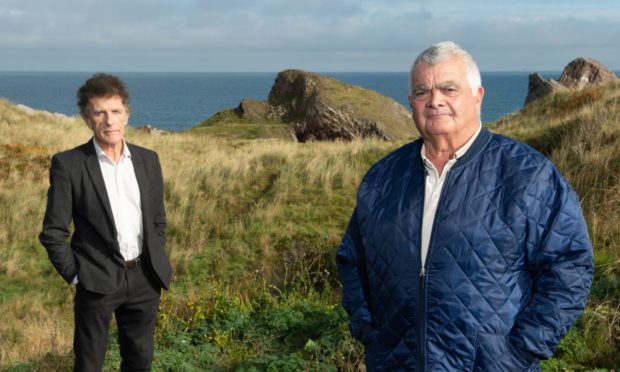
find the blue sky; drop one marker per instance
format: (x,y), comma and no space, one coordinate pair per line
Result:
(315,35)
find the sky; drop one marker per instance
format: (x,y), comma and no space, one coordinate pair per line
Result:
(314,35)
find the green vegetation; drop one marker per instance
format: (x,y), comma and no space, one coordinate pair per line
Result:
(240,130)
(253,227)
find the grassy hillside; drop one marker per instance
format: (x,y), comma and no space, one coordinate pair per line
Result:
(254,225)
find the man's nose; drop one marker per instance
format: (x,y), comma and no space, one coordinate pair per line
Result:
(109,119)
(435,99)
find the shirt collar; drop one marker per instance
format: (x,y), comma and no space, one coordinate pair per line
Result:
(100,152)
(460,152)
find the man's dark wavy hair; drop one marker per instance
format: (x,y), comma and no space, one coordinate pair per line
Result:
(101,85)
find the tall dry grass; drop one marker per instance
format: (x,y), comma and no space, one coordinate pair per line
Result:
(261,205)
(35,309)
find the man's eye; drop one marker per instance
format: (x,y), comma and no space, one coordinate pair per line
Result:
(449,91)
(420,94)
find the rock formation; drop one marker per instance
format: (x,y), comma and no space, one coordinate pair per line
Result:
(255,111)
(577,74)
(581,72)
(538,87)
(321,108)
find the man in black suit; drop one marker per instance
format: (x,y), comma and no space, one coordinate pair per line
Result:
(113,193)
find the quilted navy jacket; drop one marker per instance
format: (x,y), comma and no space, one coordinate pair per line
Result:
(508,271)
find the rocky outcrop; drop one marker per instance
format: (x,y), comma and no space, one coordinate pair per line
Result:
(322,108)
(538,87)
(326,123)
(256,111)
(582,72)
(317,107)
(579,73)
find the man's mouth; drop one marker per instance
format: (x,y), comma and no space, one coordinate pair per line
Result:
(437,113)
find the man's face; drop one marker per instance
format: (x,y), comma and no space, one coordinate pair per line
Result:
(442,100)
(107,117)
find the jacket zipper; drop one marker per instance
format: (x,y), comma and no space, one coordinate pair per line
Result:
(421,323)
(421,320)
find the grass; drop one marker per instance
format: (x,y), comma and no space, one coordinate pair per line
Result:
(253,226)
(245,131)
(253,199)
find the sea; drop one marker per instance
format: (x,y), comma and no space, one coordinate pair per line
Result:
(179,101)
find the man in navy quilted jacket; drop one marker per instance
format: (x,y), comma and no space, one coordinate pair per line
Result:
(467,250)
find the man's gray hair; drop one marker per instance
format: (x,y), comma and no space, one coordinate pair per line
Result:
(442,51)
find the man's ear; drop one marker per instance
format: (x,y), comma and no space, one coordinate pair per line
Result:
(480,93)
(86,121)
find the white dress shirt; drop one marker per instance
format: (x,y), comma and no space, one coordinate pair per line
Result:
(432,191)
(124,195)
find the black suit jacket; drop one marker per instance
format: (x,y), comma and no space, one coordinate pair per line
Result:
(77,193)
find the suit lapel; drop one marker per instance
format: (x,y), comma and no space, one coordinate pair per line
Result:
(141,177)
(94,171)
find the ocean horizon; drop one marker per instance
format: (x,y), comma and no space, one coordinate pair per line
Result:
(178,101)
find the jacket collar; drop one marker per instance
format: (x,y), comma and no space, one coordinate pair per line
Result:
(142,178)
(475,148)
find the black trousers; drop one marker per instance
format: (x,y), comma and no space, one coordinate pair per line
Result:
(135,307)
